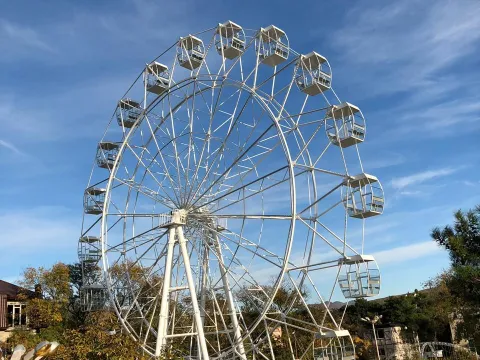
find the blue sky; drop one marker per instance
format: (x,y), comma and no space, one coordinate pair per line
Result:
(411,65)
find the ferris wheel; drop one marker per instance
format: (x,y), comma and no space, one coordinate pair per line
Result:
(227,203)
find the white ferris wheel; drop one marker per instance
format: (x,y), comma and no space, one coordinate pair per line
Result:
(227,182)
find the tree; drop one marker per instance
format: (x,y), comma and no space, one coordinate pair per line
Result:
(53,292)
(462,241)
(440,305)
(99,339)
(55,315)
(53,283)
(363,348)
(43,313)
(423,313)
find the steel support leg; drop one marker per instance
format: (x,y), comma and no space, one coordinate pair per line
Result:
(193,294)
(163,321)
(203,291)
(231,305)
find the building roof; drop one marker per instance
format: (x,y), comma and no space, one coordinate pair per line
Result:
(12,291)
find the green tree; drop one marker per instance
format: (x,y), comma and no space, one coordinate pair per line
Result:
(53,293)
(99,339)
(95,336)
(462,241)
(53,283)
(423,313)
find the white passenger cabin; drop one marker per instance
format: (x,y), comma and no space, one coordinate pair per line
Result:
(90,256)
(230,40)
(157,78)
(123,297)
(333,345)
(220,224)
(107,153)
(89,249)
(128,111)
(361,278)
(273,47)
(363,196)
(190,52)
(314,74)
(93,297)
(93,200)
(345,125)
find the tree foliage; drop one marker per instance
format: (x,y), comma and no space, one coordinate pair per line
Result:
(462,241)
(98,339)
(53,283)
(421,313)
(55,315)
(43,313)
(53,292)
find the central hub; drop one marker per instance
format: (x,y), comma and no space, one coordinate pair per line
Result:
(200,218)
(179,217)
(175,218)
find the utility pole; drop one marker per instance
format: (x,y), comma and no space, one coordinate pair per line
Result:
(373,321)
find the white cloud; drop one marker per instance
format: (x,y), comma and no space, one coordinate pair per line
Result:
(48,116)
(10,146)
(414,179)
(379,230)
(378,162)
(416,44)
(438,119)
(407,253)
(19,35)
(38,230)
(470,183)
(36,236)
(73,37)
(411,193)
(101,94)
(417,55)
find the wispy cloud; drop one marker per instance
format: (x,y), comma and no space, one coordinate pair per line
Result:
(416,59)
(437,120)
(415,44)
(470,183)
(19,35)
(11,147)
(37,121)
(406,253)
(74,37)
(383,161)
(418,178)
(36,236)
(33,230)
(411,193)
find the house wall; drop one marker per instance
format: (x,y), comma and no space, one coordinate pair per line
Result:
(3,311)
(455,321)
(392,346)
